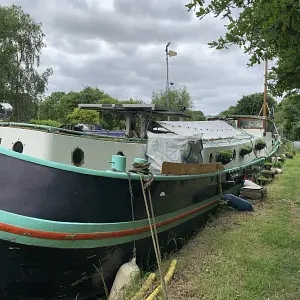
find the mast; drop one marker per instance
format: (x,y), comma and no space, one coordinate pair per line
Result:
(265,89)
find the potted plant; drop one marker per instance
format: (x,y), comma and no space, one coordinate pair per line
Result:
(268,166)
(246,149)
(277,164)
(225,156)
(261,180)
(260,144)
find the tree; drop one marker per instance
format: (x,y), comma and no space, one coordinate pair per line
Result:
(290,116)
(178,98)
(112,120)
(48,109)
(227,112)
(70,101)
(250,105)
(21,43)
(83,116)
(62,107)
(264,29)
(196,115)
(59,105)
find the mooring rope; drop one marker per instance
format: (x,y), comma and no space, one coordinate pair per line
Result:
(146,178)
(132,213)
(154,234)
(220,183)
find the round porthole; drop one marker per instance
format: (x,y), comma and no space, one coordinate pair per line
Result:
(210,157)
(18,147)
(77,157)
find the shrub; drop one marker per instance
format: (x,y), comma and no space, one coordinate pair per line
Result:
(277,164)
(260,144)
(45,123)
(225,156)
(246,149)
(267,165)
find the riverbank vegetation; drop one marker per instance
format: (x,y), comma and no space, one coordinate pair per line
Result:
(240,255)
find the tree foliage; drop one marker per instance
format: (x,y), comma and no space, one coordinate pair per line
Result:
(63,107)
(112,120)
(196,115)
(178,98)
(290,117)
(21,43)
(70,101)
(59,105)
(48,109)
(263,29)
(250,105)
(83,116)
(45,122)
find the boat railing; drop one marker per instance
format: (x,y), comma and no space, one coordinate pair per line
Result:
(53,129)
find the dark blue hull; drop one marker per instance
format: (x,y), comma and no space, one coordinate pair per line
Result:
(32,267)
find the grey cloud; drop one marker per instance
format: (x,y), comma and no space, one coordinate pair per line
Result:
(155,9)
(119,47)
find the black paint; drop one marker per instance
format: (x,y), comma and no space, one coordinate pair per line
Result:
(37,191)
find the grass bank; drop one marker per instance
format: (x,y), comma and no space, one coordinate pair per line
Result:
(247,255)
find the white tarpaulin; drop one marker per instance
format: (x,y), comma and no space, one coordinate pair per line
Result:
(171,147)
(210,129)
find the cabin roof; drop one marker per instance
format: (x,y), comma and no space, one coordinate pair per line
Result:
(133,108)
(212,130)
(247,117)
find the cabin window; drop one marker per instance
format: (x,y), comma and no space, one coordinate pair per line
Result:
(18,147)
(77,157)
(251,123)
(210,158)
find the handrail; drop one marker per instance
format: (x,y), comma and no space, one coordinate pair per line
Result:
(52,129)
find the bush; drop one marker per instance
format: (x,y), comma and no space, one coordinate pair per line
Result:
(260,144)
(246,149)
(83,116)
(277,164)
(225,156)
(46,123)
(267,165)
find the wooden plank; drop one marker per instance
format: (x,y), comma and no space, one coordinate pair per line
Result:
(190,169)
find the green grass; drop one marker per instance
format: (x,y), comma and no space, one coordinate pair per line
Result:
(247,255)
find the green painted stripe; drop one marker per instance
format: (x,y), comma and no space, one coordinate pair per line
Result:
(122,175)
(71,227)
(95,243)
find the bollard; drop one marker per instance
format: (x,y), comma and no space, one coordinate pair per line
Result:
(118,162)
(140,160)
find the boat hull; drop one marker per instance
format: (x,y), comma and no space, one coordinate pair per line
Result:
(31,272)
(58,226)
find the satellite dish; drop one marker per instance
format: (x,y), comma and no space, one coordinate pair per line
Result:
(6,111)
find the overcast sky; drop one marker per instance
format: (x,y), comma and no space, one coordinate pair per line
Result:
(119,46)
